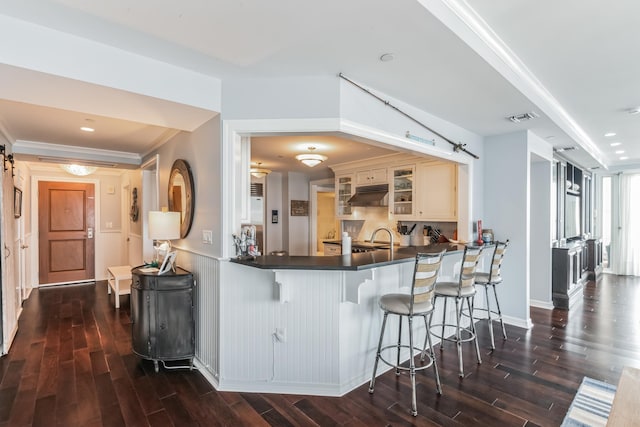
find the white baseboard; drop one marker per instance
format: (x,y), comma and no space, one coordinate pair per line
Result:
(547,305)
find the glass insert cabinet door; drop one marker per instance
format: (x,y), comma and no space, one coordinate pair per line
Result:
(403,190)
(345,191)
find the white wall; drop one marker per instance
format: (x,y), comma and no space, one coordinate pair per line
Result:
(201,150)
(309,97)
(273,232)
(541,225)
(298,237)
(506,201)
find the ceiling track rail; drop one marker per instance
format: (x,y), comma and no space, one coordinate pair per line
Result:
(457,147)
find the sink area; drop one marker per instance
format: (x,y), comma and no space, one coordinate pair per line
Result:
(368,246)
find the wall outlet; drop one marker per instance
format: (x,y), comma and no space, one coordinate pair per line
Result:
(281,334)
(207,237)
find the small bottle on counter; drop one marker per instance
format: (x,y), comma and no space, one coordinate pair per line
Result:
(346,243)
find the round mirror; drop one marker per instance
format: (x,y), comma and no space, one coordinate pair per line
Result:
(181,195)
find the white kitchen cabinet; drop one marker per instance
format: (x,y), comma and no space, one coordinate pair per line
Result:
(345,188)
(402,192)
(371,176)
(437,195)
(332,249)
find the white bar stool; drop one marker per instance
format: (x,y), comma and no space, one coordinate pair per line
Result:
(491,279)
(462,290)
(418,303)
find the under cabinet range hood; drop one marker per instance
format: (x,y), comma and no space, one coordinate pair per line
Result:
(370,195)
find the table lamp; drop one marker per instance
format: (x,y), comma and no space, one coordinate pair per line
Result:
(164,226)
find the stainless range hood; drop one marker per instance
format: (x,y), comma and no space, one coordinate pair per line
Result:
(370,195)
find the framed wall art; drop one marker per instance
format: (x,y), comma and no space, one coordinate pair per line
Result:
(17,202)
(299,208)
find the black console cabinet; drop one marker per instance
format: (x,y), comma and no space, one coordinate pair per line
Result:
(163,326)
(568,273)
(594,258)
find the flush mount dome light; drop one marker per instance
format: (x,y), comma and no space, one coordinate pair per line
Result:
(78,170)
(311,159)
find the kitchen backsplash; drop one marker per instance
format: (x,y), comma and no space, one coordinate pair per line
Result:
(361,229)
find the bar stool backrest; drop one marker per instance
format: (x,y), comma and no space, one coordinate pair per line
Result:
(425,273)
(496,261)
(470,259)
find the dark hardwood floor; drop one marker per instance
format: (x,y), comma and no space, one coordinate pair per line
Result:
(71,365)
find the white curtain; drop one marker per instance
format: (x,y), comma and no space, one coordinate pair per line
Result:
(628,260)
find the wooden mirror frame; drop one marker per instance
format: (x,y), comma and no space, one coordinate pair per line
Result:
(181,167)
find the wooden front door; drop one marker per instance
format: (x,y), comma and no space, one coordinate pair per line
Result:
(67,226)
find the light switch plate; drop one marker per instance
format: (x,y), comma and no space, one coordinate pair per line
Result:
(207,237)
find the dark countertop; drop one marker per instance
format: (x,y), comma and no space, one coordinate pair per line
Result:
(356,261)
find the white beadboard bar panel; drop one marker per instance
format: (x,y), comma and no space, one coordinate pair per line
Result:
(206,273)
(318,342)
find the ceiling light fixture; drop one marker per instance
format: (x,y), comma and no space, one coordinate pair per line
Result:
(615,144)
(87,129)
(517,118)
(311,159)
(633,111)
(619,151)
(386,57)
(609,134)
(78,170)
(624,157)
(259,172)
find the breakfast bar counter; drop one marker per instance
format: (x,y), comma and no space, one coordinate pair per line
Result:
(354,261)
(310,325)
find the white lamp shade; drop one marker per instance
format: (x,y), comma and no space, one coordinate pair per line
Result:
(164,225)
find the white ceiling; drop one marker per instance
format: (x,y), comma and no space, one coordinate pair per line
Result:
(582,53)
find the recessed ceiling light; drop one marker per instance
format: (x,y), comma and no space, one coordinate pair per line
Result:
(615,144)
(635,110)
(610,134)
(624,157)
(87,129)
(619,151)
(386,57)
(550,137)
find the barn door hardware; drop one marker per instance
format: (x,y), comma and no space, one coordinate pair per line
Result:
(456,146)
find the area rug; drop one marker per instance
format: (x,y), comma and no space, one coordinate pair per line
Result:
(592,404)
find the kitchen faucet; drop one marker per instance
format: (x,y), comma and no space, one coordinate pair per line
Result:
(373,235)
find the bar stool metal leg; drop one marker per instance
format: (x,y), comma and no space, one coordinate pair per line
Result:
(412,368)
(459,336)
(433,356)
(444,314)
(489,318)
(399,339)
(372,383)
(473,329)
(495,294)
